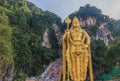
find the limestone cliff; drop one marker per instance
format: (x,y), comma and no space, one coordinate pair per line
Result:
(57,32)
(104,34)
(52,37)
(98,25)
(102,30)
(58,36)
(45,41)
(90,21)
(8,74)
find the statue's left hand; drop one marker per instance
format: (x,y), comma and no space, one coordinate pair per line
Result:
(86,46)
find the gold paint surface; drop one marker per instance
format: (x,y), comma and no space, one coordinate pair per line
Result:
(76,54)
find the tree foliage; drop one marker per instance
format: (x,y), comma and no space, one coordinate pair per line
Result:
(113,55)
(6,48)
(22,25)
(89,11)
(98,50)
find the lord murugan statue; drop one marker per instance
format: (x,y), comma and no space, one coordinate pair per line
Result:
(76,53)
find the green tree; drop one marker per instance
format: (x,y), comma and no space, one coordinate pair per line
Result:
(21,77)
(85,11)
(23,55)
(113,55)
(98,50)
(6,49)
(28,24)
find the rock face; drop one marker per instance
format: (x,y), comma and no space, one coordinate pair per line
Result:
(45,41)
(57,32)
(8,74)
(102,32)
(90,21)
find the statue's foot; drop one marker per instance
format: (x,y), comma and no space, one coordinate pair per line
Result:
(68,80)
(75,79)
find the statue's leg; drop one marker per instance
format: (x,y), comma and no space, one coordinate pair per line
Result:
(85,65)
(78,68)
(74,67)
(82,67)
(71,73)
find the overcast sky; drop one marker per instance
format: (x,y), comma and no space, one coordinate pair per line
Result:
(63,8)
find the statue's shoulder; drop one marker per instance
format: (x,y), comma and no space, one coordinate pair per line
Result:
(84,30)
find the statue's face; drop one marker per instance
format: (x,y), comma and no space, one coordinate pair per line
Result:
(75,24)
(76,35)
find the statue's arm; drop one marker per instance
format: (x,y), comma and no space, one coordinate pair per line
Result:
(87,38)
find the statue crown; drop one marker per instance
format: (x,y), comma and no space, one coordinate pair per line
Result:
(75,19)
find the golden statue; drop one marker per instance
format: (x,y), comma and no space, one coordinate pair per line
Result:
(76,52)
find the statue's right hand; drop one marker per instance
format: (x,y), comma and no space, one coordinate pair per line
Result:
(67,32)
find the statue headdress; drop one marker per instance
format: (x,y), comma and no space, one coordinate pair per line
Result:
(75,20)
